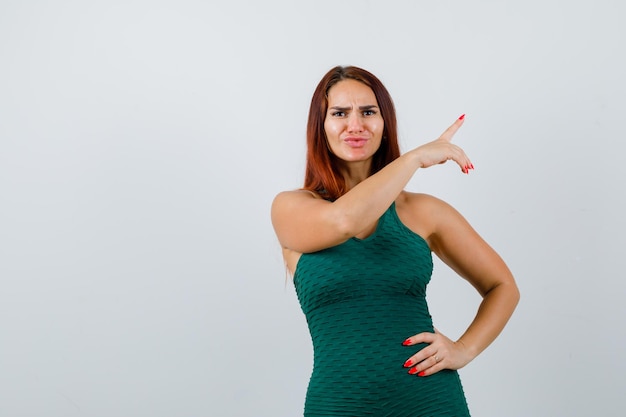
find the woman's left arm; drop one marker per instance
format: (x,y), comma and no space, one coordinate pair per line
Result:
(458,245)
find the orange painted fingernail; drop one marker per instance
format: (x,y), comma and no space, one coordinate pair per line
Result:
(408,363)
(407,342)
(421,373)
(413,371)
(462,116)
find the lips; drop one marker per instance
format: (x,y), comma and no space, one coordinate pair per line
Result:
(355,142)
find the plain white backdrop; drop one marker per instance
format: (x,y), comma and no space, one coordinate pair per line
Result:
(142,142)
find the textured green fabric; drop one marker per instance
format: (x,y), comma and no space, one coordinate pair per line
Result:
(362,299)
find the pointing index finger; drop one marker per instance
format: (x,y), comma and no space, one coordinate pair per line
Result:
(449,133)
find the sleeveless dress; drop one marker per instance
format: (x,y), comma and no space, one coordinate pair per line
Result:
(361,300)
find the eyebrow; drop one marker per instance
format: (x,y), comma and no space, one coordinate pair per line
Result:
(366,107)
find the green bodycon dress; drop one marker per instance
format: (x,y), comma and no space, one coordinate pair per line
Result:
(361,300)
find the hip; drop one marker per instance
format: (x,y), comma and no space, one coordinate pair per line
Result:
(389,394)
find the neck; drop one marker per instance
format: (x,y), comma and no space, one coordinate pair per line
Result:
(355,172)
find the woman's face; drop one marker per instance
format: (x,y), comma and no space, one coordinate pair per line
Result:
(353,124)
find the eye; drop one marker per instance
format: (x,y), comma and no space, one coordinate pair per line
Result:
(338,113)
(369,112)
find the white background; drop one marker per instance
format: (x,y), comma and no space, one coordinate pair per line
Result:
(141,144)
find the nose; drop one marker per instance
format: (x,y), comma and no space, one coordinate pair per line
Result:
(355,124)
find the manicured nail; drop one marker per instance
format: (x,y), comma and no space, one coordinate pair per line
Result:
(413,371)
(472,166)
(421,373)
(462,116)
(408,363)
(407,342)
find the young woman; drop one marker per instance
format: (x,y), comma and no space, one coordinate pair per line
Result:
(359,248)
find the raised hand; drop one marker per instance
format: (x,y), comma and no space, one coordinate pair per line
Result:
(442,150)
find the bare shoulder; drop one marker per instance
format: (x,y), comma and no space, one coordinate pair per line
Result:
(426,205)
(418,200)
(284,205)
(304,222)
(286,202)
(423,213)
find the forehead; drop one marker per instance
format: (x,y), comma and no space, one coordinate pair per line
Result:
(348,91)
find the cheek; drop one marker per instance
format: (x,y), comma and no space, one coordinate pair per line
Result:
(331,129)
(378,129)
(381,126)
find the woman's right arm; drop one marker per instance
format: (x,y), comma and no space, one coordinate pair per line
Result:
(305,223)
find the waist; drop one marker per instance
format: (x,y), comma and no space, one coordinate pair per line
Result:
(367,331)
(395,310)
